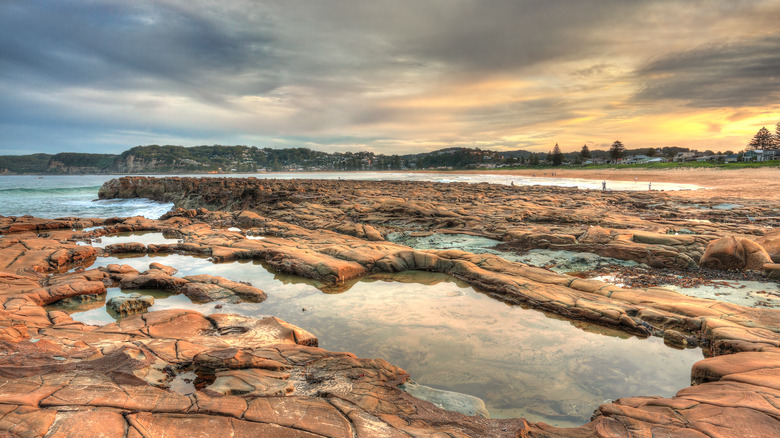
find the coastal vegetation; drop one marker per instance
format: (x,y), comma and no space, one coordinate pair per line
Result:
(243,159)
(155,159)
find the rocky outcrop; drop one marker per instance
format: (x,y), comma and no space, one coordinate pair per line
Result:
(10,225)
(257,377)
(199,288)
(26,251)
(207,288)
(771,243)
(647,227)
(129,304)
(267,377)
(730,253)
(451,401)
(653,249)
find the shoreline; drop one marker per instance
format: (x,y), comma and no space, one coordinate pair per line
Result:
(759,184)
(755,183)
(335,231)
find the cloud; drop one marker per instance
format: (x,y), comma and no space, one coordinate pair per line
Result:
(129,46)
(598,70)
(736,75)
(384,76)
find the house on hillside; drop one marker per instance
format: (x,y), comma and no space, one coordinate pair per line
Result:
(714,157)
(754,155)
(595,161)
(637,159)
(684,156)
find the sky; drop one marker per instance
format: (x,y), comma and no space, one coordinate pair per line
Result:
(392,77)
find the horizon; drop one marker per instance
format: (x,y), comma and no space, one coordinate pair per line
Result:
(393,79)
(573,151)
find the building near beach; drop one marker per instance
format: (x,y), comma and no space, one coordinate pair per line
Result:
(761,155)
(636,159)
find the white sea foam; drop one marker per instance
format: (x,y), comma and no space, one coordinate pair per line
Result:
(60,196)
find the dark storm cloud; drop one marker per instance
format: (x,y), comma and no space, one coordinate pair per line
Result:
(467,37)
(486,37)
(744,74)
(130,45)
(340,44)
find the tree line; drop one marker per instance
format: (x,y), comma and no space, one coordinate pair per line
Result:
(764,139)
(202,159)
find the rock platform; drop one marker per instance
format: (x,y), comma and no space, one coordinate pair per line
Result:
(59,377)
(650,227)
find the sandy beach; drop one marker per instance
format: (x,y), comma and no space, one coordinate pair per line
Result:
(758,184)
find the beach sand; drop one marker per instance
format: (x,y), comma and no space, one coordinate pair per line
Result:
(757,183)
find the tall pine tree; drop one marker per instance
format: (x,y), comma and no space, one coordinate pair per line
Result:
(617,150)
(777,134)
(557,155)
(584,152)
(763,140)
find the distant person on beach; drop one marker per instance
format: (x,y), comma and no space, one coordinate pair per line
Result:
(636,178)
(649,186)
(604,186)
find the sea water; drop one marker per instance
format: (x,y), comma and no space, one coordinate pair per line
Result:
(444,333)
(51,197)
(76,195)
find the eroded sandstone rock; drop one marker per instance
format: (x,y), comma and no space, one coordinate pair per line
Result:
(771,243)
(730,253)
(55,372)
(208,288)
(129,304)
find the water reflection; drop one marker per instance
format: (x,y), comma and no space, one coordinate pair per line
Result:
(522,362)
(91,309)
(145,237)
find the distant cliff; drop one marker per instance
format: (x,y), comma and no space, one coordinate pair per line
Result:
(156,159)
(64,163)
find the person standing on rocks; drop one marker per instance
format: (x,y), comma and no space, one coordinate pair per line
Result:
(604,186)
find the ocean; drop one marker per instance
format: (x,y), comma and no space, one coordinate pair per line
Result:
(51,197)
(76,195)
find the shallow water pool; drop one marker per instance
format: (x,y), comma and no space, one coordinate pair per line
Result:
(145,237)
(447,335)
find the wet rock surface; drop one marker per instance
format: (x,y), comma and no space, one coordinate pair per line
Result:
(199,288)
(538,216)
(732,254)
(451,401)
(130,304)
(266,377)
